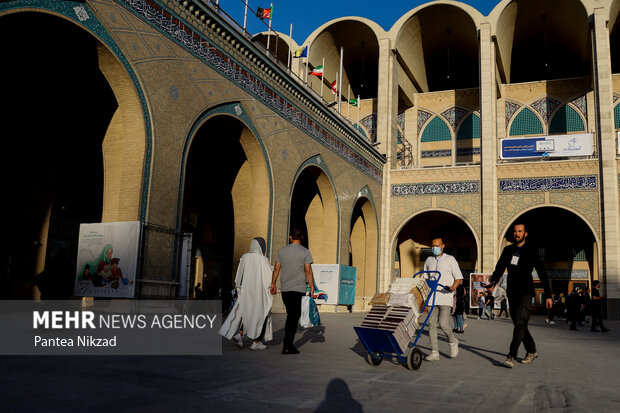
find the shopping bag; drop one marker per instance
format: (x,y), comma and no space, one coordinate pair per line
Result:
(315,318)
(304,320)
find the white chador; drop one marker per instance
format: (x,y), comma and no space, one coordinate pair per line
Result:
(253,306)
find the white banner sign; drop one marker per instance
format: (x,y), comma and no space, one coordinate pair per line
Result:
(107,259)
(553,146)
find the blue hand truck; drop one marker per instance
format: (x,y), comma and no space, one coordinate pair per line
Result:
(382,343)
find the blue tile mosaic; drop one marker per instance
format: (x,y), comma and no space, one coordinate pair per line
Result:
(467,151)
(511,109)
(370,123)
(454,116)
(437,188)
(436,154)
(545,107)
(556,183)
(197,44)
(423,117)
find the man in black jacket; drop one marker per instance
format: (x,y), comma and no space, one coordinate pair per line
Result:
(519,259)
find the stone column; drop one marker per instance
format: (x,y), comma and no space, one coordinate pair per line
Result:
(488,157)
(608,171)
(387,108)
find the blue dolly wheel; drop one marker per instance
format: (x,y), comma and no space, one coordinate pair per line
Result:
(414,358)
(374,359)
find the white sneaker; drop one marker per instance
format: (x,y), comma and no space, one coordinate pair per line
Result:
(257,345)
(547,320)
(551,322)
(434,356)
(454,348)
(239,340)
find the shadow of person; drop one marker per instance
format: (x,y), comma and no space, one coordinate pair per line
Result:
(312,334)
(338,399)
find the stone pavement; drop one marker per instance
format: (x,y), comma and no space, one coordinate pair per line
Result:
(577,371)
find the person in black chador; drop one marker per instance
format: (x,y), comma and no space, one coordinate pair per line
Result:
(520,259)
(597,307)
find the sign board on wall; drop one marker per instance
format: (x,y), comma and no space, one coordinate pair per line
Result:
(107,259)
(337,281)
(475,288)
(552,146)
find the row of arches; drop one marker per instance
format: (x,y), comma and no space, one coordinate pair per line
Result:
(566,242)
(437,45)
(71,167)
(566,119)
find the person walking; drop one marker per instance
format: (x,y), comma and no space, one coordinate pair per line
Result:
(597,308)
(253,305)
(294,261)
(459,309)
(520,258)
(503,306)
(489,305)
(481,301)
(451,278)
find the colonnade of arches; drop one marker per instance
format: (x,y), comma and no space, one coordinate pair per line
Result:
(566,241)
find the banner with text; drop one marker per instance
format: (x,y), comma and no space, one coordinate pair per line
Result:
(552,146)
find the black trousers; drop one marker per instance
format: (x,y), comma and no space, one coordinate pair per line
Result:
(292,302)
(520,311)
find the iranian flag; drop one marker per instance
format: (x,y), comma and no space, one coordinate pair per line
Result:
(333,88)
(317,71)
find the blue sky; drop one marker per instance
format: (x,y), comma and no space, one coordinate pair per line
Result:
(306,16)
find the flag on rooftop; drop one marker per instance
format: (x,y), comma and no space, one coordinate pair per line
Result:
(353,102)
(303,52)
(333,87)
(264,13)
(317,71)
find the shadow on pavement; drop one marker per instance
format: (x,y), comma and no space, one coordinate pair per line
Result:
(338,399)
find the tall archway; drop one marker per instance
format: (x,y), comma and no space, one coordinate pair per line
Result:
(363,249)
(314,210)
(74,147)
(413,242)
(226,198)
(566,244)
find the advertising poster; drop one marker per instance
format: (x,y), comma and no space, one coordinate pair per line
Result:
(348,278)
(107,259)
(326,278)
(551,146)
(476,281)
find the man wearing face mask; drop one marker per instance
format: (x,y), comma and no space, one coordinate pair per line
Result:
(451,277)
(519,259)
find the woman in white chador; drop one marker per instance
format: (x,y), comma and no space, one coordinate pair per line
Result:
(251,314)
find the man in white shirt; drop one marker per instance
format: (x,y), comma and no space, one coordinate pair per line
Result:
(451,277)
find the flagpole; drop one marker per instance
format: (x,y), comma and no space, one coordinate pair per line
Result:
(359,103)
(349,102)
(307,60)
(340,84)
(289,48)
(245,16)
(336,94)
(322,78)
(269,31)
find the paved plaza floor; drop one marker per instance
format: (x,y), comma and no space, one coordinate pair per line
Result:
(577,371)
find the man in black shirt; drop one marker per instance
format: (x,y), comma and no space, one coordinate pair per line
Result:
(597,310)
(519,259)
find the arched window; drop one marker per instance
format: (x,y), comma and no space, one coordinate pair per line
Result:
(617,116)
(436,130)
(470,128)
(526,123)
(566,119)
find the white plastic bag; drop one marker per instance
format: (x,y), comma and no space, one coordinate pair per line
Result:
(304,320)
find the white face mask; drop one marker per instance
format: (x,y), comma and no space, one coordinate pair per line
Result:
(436,251)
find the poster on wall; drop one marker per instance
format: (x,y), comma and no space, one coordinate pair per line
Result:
(552,146)
(107,259)
(475,287)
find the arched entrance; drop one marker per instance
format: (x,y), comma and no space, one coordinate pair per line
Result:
(566,244)
(314,210)
(63,122)
(363,249)
(226,197)
(413,243)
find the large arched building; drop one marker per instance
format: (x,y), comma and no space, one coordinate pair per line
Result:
(169,113)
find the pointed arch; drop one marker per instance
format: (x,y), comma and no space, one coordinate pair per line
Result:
(566,119)
(436,130)
(526,123)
